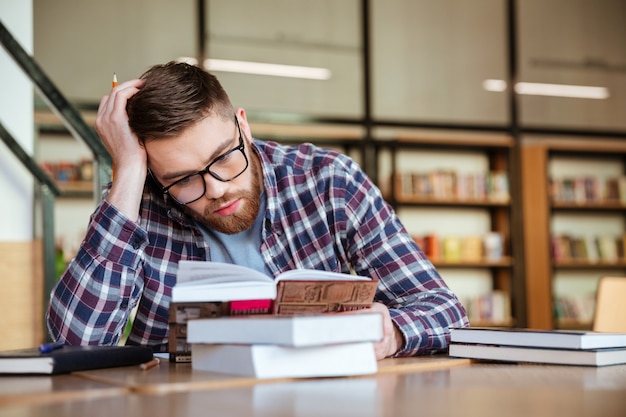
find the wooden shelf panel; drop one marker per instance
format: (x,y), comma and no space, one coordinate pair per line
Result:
(589,206)
(576,145)
(407,137)
(489,323)
(572,324)
(430,201)
(76,189)
(584,264)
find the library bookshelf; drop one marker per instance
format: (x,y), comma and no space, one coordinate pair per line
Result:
(437,179)
(568,231)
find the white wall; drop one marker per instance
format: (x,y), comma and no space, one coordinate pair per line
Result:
(578,42)
(80,44)
(16,115)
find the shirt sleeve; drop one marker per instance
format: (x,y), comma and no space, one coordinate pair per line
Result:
(421,305)
(94,297)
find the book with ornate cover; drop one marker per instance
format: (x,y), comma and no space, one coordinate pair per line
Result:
(213,289)
(291,292)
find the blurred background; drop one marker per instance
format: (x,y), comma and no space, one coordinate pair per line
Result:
(530,91)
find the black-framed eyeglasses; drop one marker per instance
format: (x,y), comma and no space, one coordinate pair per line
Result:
(225,168)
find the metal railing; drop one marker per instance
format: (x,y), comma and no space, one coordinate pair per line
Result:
(78,128)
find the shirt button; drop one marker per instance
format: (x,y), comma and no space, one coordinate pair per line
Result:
(124,304)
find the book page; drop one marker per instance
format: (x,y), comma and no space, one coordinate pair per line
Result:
(208,273)
(317,275)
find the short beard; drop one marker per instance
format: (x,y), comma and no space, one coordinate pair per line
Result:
(240,221)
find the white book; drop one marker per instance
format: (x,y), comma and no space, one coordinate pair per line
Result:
(558,339)
(297,331)
(199,281)
(588,357)
(272,361)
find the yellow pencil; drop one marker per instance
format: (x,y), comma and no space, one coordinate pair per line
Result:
(114,83)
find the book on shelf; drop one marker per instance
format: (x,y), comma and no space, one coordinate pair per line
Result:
(575,308)
(505,353)
(445,184)
(493,307)
(591,249)
(451,249)
(274,361)
(295,331)
(582,190)
(455,249)
(212,289)
(71,359)
(556,339)
(472,249)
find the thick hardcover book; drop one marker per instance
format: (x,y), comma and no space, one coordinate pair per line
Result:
(295,331)
(71,358)
(297,291)
(559,339)
(587,357)
(272,361)
(181,313)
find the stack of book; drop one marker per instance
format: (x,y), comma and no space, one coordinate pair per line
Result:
(274,346)
(539,346)
(210,290)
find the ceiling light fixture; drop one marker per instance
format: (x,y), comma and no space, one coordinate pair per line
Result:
(553,90)
(260,68)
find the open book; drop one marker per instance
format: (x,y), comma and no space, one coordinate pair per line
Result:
(297,291)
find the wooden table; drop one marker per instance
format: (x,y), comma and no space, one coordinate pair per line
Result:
(32,392)
(430,386)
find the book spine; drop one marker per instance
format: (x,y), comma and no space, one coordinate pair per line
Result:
(182,312)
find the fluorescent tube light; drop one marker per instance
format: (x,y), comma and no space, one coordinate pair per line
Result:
(494,85)
(260,68)
(562,90)
(553,90)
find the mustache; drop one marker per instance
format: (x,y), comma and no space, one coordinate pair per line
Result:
(214,205)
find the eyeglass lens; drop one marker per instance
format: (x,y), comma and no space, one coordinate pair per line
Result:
(225,168)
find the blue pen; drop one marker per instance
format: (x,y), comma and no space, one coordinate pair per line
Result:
(49,347)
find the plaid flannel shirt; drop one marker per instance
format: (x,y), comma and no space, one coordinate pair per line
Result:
(322,212)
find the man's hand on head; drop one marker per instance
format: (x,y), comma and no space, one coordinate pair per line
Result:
(112,125)
(130,161)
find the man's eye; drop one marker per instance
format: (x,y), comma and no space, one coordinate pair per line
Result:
(184,181)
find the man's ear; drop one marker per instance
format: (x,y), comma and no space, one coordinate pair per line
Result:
(243,122)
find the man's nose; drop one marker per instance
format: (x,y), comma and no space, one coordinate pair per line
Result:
(214,188)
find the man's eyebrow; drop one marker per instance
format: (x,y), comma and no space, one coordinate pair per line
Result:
(216,154)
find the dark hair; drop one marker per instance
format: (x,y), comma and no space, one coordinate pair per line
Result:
(174,97)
